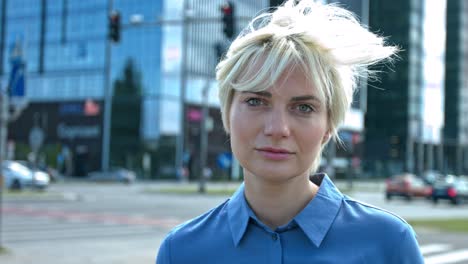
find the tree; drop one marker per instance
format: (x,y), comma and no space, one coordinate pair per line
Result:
(126,141)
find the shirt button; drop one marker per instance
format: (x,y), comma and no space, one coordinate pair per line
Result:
(274,237)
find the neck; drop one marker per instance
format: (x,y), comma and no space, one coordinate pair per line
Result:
(276,204)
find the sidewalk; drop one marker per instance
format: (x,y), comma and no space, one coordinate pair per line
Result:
(343,185)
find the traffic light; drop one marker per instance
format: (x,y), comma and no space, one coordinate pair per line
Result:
(228,19)
(114,26)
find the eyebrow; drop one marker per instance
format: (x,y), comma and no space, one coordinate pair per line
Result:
(294,99)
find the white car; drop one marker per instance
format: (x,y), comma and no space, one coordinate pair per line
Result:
(16,176)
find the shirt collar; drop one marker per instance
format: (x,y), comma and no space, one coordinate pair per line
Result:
(238,214)
(315,219)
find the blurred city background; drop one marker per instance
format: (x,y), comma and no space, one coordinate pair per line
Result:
(103,84)
(124,90)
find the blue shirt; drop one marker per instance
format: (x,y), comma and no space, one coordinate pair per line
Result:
(332,228)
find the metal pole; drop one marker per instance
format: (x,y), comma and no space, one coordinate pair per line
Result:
(181,137)
(430,156)
(107,101)
(458,158)
(409,152)
(440,156)
(3,138)
(330,169)
(420,157)
(204,138)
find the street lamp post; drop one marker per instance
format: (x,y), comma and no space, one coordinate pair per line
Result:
(3,138)
(204,138)
(183,80)
(107,100)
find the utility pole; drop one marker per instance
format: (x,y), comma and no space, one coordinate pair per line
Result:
(16,89)
(3,138)
(107,97)
(5,118)
(204,138)
(183,80)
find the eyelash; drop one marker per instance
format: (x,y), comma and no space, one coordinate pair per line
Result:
(310,109)
(250,100)
(261,102)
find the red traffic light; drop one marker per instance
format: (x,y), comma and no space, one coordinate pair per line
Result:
(228,19)
(227,9)
(115,18)
(114,26)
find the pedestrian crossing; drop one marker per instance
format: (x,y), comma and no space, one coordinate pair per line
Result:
(443,254)
(54,230)
(26,224)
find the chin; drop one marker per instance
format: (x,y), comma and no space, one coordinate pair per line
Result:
(274,174)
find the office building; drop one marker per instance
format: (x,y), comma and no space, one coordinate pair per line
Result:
(456,89)
(72,68)
(404,119)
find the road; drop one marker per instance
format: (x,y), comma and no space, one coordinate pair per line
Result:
(112,223)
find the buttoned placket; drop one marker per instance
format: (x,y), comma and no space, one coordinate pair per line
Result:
(276,248)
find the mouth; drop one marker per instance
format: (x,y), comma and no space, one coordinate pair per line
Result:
(275,153)
(275,150)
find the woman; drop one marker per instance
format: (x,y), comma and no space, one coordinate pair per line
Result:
(285,86)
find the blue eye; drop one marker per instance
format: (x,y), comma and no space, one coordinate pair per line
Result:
(254,102)
(304,108)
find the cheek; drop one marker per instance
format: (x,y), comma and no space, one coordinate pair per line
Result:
(311,138)
(237,134)
(239,124)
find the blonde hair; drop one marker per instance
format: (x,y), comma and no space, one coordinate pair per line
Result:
(327,42)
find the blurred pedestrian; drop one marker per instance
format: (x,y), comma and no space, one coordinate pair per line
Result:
(285,85)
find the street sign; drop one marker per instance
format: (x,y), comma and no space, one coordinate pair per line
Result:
(16,82)
(224,160)
(36,138)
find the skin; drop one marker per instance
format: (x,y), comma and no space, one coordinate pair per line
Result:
(276,135)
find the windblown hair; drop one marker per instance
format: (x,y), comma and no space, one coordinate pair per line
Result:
(327,42)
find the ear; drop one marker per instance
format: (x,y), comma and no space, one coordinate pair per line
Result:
(326,138)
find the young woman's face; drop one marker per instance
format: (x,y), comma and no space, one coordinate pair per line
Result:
(277,134)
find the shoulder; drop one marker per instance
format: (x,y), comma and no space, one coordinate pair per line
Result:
(392,236)
(209,220)
(376,222)
(373,213)
(197,231)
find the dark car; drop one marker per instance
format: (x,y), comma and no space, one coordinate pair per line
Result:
(452,188)
(406,185)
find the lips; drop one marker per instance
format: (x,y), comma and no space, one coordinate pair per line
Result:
(276,154)
(275,150)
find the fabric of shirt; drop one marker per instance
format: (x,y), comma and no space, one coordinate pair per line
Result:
(332,228)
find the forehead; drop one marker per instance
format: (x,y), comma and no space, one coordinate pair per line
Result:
(293,80)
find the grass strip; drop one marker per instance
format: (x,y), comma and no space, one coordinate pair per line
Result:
(191,190)
(31,194)
(448,225)
(4,251)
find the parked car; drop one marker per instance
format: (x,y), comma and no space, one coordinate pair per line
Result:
(406,185)
(114,175)
(52,173)
(431,176)
(16,176)
(452,188)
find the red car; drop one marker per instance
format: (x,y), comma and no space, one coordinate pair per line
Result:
(407,185)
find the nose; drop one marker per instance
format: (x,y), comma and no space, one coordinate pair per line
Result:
(277,124)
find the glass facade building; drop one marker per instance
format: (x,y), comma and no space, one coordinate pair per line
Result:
(417,121)
(64,44)
(456,89)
